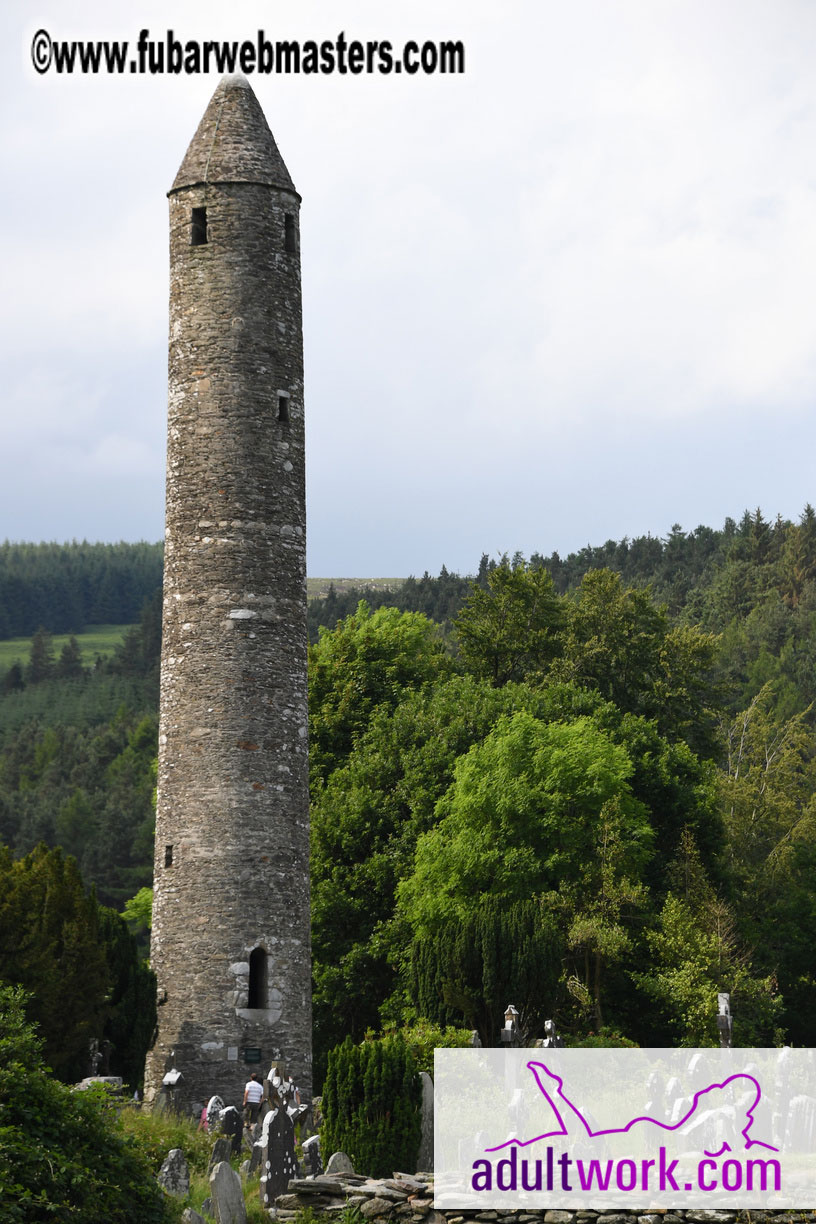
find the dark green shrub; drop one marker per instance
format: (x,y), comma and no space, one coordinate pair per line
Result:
(371,1105)
(63,1154)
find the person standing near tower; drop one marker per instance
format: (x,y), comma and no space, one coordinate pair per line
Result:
(253,1095)
(230,943)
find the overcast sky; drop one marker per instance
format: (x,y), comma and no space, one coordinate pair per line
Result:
(565,297)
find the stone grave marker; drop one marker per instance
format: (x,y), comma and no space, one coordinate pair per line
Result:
(339,1162)
(425,1155)
(255,1157)
(278,1161)
(311,1152)
(222,1149)
(174,1175)
(189,1216)
(232,1124)
(215,1106)
(227,1195)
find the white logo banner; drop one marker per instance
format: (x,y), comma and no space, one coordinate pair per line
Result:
(611,1129)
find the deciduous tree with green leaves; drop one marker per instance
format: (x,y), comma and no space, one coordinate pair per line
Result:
(521,817)
(599,909)
(620,643)
(369,659)
(365,822)
(510,628)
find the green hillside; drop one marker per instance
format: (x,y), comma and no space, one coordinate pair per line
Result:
(606,760)
(94,641)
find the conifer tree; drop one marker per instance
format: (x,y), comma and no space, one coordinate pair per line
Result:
(69,665)
(79,964)
(371,1105)
(130,1025)
(13,680)
(41,657)
(469,969)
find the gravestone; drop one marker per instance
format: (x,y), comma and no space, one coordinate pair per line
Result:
(112,1083)
(255,1156)
(189,1216)
(278,1161)
(311,1153)
(222,1150)
(215,1106)
(174,1175)
(173,1079)
(231,1123)
(300,1117)
(552,1041)
(94,1058)
(425,1155)
(339,1162)
(227,1195)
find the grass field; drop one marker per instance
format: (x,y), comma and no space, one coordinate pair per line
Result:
(96,640)
(318,588)
(103,639)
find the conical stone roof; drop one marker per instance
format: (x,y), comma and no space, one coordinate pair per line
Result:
(233,143)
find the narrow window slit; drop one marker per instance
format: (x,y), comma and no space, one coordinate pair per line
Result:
(198,229)
(257,978)
(283,407)
(168,856)
(290,233)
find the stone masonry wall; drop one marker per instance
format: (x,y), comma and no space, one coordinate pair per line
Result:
(408,1199)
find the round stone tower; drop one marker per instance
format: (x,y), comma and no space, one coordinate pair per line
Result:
(230,944)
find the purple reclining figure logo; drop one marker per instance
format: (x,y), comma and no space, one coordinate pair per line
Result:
(555,1089)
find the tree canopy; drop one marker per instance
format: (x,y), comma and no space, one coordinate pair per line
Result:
(522,817)
(610,754)
(509,629)
(368,660)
